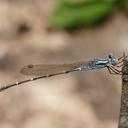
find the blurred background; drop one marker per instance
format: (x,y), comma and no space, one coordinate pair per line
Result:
(60,31)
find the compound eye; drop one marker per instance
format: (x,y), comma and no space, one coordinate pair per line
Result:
(110,55)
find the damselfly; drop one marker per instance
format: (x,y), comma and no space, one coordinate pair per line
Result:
(112,63)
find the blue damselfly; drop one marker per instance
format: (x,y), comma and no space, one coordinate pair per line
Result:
(112,63)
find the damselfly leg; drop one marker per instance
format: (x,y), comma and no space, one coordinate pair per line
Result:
(122,57)
(121,60)
(116,69)
(113,70)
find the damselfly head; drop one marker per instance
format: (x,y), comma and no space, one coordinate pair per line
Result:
(112,59)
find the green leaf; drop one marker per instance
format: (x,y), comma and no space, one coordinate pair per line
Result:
(88,14)
(84,1)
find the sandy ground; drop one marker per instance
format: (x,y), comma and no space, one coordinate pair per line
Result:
(77,100)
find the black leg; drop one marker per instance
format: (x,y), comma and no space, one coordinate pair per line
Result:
(122,57)
(110,71)
(113,71)
(122,60)
(118,66)
(114,67)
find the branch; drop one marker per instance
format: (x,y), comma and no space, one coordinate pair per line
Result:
(123,119)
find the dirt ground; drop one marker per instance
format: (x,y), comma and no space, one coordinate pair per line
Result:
(78,100)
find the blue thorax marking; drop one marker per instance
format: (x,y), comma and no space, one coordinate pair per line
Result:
(101,62)
(97,65)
